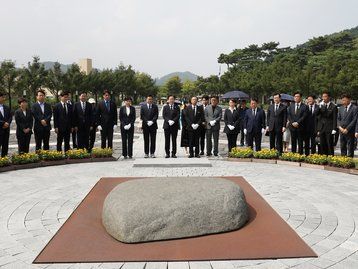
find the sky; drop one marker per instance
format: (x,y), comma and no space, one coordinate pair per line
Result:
(161,36)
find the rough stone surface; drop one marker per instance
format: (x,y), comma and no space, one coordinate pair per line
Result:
(154,209)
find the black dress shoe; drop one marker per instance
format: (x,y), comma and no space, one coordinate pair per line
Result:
(167,156)
(201,152)
(216,155)
(191,156)
(197,156)
(208,155)
(130,157)
(125,157)
(174,156)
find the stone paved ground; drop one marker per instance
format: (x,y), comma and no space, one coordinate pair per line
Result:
(320,205)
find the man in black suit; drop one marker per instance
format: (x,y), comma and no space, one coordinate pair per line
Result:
(24,124)
(310,126)
(276,122)
(254,124)
(127,118)
(73,133)
(83,121)
(149,116)
(347,118)
(242,111)
(326,124)
(297,113)
(62,120)
(171,114)
(42,113)
(195,120)
(5,121)
(107,118)
(204,102)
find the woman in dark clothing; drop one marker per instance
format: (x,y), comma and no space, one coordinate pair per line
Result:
(232,124)
(24,123)
(184,141)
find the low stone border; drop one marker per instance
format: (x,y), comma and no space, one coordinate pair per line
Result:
(54,163)
(297,164)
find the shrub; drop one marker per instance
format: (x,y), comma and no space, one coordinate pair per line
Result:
(5,161)
(241,153)
(266,154)
(25,158)
(341,161)
(77,154)
(292,157)
(50,155)
(316,159)
(101,153)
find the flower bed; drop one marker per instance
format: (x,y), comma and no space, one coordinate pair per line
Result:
(51,155)
(241,153)
(341,161)
(316,159)
(77,154)
(5,161)
(292,157)
(332,163)
(266,154)
(25,158)
(101,153)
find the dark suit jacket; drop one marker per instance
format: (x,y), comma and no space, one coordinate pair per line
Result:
(126,119)
(107,118)
(149,115)
(254,123)
(347,120)
(232,118)
(23,122)
(311,119)
(61,120)
(6,118)
(299,116)
(327,119)
(190,118)
(173,115)
(38,116)
(83,120)
(276,121)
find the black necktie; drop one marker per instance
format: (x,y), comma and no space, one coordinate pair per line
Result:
(65,108)
(194,110)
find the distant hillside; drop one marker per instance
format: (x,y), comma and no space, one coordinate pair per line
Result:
(184,76)
(49,65)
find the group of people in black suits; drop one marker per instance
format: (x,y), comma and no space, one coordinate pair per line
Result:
(81,119)
(311,125)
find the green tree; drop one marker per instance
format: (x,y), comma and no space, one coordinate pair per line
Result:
(34,76)
(174,86)
(8,78)
(55,80)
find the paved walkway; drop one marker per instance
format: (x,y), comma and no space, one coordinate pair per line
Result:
(320,205)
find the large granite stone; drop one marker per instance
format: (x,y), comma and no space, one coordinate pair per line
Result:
(153,209)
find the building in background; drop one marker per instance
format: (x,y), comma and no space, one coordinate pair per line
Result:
(85,65)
